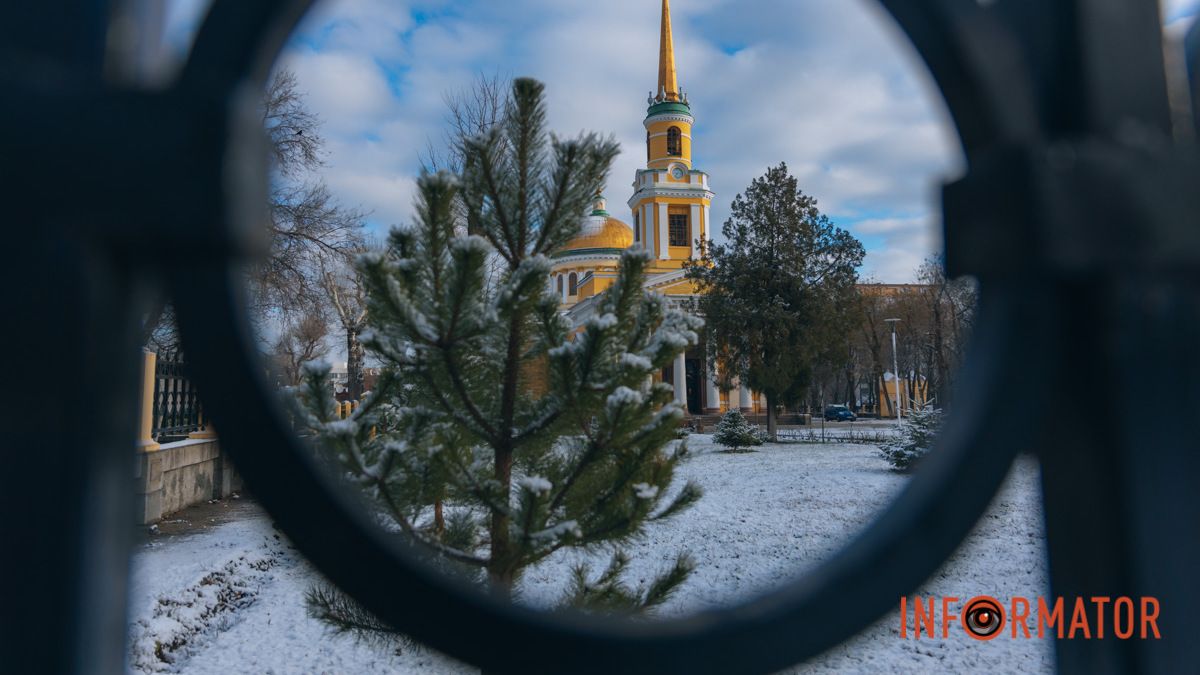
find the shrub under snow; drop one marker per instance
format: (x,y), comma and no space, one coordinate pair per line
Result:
(915,440)
(734,432)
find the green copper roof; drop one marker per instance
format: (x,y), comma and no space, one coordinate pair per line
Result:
(600,202)
(669,107)
(589,251)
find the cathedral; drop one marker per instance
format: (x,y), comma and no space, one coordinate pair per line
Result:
(670,216)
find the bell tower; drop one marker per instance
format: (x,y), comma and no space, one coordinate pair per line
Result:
(671,198)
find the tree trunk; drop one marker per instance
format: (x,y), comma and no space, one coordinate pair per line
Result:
(355,355)
(502,566)
(439,519)
(772,431)
(851,391)
(500,570)
(890,400)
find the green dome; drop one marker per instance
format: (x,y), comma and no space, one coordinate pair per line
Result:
(669,107)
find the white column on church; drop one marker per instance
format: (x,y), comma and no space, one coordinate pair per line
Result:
(746,400)
(735,397)
(707,224)
(664,228)
(694,234)
(680,381)
(713,403)
(648,228)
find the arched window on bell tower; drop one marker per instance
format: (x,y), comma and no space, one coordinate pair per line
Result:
(560,285)
(571,283)
(674,142)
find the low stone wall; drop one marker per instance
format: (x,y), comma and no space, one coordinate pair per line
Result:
(177,475)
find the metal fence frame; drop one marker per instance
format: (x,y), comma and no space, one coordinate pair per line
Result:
(1078,213)
(176,403)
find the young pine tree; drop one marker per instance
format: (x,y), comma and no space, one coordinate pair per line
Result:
(915,440)
(534,439)
(734,432)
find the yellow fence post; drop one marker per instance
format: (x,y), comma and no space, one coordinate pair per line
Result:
(146,442)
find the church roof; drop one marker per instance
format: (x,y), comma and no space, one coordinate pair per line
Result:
(601,233)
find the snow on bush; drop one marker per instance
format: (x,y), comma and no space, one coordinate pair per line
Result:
(734,432)
(915,440)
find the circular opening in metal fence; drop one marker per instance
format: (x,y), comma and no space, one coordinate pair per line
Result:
(899,549)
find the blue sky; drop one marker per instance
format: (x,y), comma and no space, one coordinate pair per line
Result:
(830,87)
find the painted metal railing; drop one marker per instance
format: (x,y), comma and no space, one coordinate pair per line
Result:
(176,403)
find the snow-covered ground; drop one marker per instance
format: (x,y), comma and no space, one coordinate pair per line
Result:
(231,599)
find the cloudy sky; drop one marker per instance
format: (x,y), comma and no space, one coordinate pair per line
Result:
(828,86)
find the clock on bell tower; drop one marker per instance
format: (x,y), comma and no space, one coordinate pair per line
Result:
(671,198)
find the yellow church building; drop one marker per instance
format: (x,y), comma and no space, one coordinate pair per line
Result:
(670,217)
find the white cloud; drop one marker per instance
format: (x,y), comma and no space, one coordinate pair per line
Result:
(347,90)
(830,88)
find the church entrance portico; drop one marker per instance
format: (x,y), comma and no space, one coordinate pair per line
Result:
(695,387)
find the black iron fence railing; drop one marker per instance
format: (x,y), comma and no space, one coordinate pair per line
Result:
(176,405)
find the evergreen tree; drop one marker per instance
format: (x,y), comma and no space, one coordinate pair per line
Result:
(916,439)
(583,464)
(735,432)
(777,295)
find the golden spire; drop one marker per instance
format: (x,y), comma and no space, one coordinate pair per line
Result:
(668,87)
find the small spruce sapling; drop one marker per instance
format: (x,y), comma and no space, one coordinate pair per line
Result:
(534,437)
(735,432)
(915,440)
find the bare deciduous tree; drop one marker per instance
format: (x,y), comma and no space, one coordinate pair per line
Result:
(931,339)
(296,143)
(950,305)
(307,224)
(159,333)
(470,112)
(348,297)
(303,338)
(308,229)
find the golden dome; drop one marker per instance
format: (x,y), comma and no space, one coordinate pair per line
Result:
(601,231)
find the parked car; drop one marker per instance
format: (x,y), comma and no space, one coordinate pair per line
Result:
(839,413)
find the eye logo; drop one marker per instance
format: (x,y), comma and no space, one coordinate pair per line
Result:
(983,618)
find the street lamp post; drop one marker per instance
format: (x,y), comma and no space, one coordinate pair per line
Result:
(895,369)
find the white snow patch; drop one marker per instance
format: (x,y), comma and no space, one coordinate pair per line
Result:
(567,528)
(636,361)
(603,322)
(183,617)
(645,490)
(535,484)
(765,518)
(623,396)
